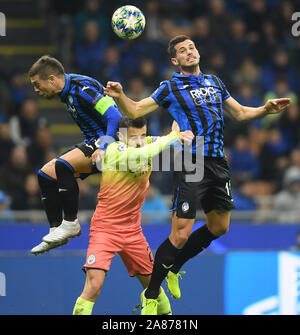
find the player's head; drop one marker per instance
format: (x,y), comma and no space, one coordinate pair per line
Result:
(183,53)
(133,131)
(47,75)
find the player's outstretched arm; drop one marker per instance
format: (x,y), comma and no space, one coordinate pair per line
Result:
(244,113)
(124,156)
(131,108)
(153,149)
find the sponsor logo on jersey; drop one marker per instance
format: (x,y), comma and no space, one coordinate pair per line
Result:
(203,94)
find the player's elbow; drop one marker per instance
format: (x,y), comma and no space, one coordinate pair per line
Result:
(132,114)
(240,115)
(136,112)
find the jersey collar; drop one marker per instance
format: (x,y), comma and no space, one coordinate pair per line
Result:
(66,88)
(189,76)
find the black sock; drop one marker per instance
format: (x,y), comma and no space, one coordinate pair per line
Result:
(68,189)
(199,240)
(50,199)
(164,259)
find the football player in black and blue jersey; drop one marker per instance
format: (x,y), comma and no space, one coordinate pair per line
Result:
(196,101)
(97,116)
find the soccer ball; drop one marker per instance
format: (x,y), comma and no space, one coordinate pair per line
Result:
(128,22)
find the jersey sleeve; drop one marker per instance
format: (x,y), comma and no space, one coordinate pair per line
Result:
(121,157)
(89,94)
(112,117)
(161,95)
(106,107)
(95,97)
(151,139)
(225,93)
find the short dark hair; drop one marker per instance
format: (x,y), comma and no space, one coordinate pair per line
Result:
(139,122)
(175,40)
(46,66)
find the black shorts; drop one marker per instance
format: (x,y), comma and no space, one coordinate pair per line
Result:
(88,149)
(212,192)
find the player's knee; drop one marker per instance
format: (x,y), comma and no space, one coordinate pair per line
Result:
(49,169)
(180,237)
(218,222)
(219,230)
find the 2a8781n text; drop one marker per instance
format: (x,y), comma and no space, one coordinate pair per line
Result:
(171,324)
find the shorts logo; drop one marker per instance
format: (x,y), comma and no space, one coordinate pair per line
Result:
(185,207)
(91,259)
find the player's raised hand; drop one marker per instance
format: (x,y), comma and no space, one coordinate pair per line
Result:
(186,136)
(275,106)
(175,127)
(97,156)
(113,89)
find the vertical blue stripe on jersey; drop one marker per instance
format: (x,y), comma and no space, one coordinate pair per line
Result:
(222,87)
(93,125)
(93,129)
(218,135)
(213,102)
(207,116)
(219,116)
(180,117)
(83,125)
(191,106)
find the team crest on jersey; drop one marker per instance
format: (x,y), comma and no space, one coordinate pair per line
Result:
(122,147)
(71,108)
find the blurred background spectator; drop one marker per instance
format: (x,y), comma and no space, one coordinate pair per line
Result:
(5,210)
(15,171)
(155,208)
(29,197)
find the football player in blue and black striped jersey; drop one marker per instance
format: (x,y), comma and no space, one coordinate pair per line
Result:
(97,116)
(196,101)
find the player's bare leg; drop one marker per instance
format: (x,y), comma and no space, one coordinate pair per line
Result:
(93,285)
(181,230)
(218,221)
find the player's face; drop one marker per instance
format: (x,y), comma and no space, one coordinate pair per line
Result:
(186,54)
(42,87)
(136,137)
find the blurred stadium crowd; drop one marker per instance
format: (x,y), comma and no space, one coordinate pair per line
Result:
(248,44)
